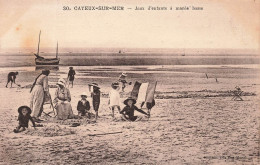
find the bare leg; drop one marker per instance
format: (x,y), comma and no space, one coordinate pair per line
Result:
(96,115)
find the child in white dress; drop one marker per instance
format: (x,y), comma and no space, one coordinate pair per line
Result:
(114,98)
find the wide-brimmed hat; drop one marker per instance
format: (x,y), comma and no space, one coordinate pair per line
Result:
(26,107)
(62,82)
(124,74)
(84,94)
(129,98)
(94,85)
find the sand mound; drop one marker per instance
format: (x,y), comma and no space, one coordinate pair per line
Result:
(50,131)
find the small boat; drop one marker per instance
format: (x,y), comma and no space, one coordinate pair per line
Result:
(39,60)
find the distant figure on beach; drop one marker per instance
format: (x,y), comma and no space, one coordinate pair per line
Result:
(39,91)
(83,106)
(24,118)
(122,79)
(95,94)
(128,111)
(114,98)
(11,78)
(71,75)
(62,101)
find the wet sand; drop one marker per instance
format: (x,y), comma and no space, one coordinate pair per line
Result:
(181,130)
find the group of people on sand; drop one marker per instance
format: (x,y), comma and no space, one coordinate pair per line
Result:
(62,101)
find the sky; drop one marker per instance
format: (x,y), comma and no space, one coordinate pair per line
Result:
(222,24)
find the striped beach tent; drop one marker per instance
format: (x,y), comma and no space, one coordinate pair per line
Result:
(143,92)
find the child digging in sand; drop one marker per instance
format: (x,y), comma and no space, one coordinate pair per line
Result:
(128,111)
(83,106)
(23,118)
(114,98)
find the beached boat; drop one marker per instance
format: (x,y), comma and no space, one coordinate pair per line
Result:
(39,60)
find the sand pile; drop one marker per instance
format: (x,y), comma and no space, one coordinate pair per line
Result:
(50,131)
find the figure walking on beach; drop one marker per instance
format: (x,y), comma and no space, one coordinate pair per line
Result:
(122,79)
(128,111)
(62,101)
(39,90)
(114,98)
(71,76)
(11,78)
(95,94)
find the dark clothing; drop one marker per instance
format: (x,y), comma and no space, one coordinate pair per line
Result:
(24,120)
(11,77)
(71,74)
(129,112)
(96,99)
(83,108)
(149,105)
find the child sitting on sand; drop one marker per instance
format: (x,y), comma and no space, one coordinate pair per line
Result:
(114,98)
(23,118)
(128,111)
(83,105)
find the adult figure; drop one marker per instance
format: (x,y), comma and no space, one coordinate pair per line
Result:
(71,75)
(11,78)
(39,91)
(62,101)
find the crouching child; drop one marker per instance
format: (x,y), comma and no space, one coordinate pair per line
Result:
(128,110)
(23,118)
(83,106)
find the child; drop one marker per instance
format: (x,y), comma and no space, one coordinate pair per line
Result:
(95,97)
(122,79)
(71,75)
(83,105)
(128,111)
(114,98)
(23,118)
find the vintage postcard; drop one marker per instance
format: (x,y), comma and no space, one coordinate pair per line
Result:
(130,82)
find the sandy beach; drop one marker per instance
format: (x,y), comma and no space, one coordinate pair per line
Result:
(194,120)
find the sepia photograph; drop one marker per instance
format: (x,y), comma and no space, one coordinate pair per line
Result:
(168,82)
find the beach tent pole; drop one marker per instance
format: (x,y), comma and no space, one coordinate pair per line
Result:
(39,43)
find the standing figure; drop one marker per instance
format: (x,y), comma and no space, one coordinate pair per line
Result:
(39,90)
(122,79)
(95,94)
(11,78)
(23,118)
(128,111)
(114,98)
(83,106)
(71,75)
(62,101)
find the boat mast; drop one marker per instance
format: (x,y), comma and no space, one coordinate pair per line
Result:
(57,51)
(39,43)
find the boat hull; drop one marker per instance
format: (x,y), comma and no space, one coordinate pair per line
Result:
(47,61)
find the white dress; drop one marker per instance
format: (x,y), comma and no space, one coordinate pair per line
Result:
(114,98)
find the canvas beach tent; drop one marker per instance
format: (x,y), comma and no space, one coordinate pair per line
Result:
(143,93)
